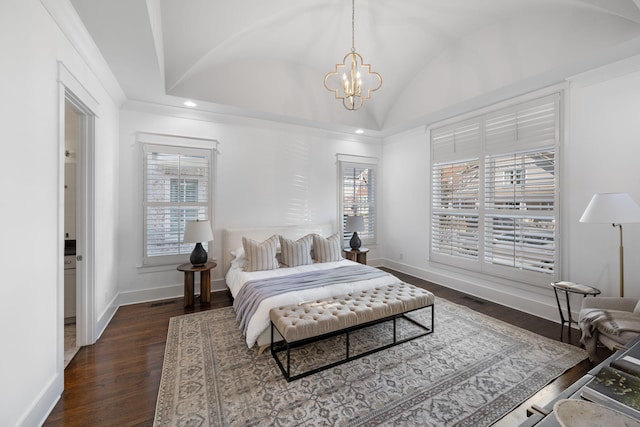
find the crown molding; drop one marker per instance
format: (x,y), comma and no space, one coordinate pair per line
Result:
(67,19)
(245,121)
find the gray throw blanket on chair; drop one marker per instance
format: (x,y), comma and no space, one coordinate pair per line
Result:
(611,322)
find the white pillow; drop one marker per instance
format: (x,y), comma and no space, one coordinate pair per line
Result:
(327,250)
(296,252)
(239,260)
(260,256)
(238,253)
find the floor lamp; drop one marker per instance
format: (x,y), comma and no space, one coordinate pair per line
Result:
(615,209)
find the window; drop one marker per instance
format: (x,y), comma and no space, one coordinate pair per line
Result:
(495,191)
(177,183)
(358,197)
(455,210)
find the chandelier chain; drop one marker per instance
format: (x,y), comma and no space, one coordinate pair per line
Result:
(353,25)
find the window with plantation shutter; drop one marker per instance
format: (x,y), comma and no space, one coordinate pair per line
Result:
(177,184)
(495,192)
(455,218)
(358,197)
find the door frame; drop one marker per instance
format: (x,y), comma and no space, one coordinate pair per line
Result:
(70,89)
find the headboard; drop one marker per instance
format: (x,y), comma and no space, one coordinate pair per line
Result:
(232,238)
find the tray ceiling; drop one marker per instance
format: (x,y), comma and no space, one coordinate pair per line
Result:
(268,59)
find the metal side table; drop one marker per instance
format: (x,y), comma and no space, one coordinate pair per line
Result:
(567,288)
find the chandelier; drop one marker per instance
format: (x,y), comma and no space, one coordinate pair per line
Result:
(352,81)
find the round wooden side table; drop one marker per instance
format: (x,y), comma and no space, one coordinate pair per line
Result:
(205,282)
(357,255)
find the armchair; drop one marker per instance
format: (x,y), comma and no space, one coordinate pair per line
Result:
(612,321)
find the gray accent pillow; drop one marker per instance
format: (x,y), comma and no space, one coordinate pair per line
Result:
(296,252)
(327,250)
(260,256)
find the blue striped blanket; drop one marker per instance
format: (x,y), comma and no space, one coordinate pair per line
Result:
(254,292)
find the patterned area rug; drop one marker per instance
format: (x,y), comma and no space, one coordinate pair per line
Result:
(470,372)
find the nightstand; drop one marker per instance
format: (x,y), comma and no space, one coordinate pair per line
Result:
(189,279)
(357,255)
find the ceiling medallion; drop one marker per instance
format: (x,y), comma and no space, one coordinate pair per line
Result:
(353,81)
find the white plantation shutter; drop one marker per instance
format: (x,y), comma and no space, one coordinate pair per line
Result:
(526,243)
(521,181)
(358,186)
(176,188)
(455,219)
(455,142)
(525,126)
(455,192)
(505,199)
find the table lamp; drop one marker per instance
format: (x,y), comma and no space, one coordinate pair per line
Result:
(354,224)
(196,232)
(615,209)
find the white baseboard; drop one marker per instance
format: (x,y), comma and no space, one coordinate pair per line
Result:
(105,318)
(375,262)
(218,285)
(44,403)
(165,292)
(536,302)
(150,294)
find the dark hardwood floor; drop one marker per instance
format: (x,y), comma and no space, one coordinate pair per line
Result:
(115,381)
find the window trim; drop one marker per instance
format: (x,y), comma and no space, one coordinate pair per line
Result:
(482,154)
(172,143)
(346,160)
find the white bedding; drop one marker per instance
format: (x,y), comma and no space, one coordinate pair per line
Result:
(258,328)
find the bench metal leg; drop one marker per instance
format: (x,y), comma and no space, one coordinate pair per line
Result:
(347,341)
(394,329)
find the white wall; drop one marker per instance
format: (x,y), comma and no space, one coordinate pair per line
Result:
(31,43)
(267,174)
(600,154)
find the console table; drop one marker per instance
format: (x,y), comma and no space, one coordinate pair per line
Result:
(205,282)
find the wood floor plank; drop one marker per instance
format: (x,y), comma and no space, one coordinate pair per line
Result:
(115,381)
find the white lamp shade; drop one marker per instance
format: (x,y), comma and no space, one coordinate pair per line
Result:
(612,208)
(354,223)
(197,231)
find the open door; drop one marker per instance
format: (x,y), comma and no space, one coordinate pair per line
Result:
(78,229)
(73,139)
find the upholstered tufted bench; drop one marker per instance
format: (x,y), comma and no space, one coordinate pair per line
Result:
(315,320)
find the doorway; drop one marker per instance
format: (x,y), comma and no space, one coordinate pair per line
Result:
(73,125)
(77,322)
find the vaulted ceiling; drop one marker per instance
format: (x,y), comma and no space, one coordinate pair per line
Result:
(267,59)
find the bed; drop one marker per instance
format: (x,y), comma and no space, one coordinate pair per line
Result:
(256,326)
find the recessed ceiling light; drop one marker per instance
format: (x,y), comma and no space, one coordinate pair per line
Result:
(190,104)
(359,131)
